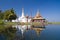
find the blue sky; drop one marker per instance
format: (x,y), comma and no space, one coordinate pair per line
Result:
(49,9)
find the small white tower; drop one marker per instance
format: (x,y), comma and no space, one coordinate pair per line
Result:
(22,12)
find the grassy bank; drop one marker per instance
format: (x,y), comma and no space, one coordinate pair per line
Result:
(19,23)
(54,23)
(11,23)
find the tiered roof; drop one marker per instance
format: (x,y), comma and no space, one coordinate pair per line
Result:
(38,16)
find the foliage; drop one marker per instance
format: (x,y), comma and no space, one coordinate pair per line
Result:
(10,15)
(1,22)
(1,14)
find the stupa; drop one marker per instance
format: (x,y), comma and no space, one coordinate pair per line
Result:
(23,18)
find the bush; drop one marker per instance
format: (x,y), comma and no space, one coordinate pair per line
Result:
(1,22)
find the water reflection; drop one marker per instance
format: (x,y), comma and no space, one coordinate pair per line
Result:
(28,32)
(38,29)
(7,32)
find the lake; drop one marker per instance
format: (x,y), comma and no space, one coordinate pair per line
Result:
(28,32)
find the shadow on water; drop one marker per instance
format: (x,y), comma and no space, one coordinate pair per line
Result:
(21,32)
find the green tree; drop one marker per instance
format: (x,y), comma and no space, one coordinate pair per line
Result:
(1,14)
(10,15)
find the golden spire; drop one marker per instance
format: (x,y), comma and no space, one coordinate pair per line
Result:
(38,14)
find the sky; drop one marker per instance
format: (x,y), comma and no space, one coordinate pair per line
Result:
(49,9)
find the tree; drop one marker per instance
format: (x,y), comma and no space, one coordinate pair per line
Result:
(10,15)
(1,14)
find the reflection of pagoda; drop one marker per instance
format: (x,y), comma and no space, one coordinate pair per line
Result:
(38,18)
(37,29)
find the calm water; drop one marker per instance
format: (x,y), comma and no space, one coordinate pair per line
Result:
(28,32)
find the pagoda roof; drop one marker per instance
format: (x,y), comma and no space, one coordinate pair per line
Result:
(38,16)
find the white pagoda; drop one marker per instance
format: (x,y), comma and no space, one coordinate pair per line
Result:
(23,18)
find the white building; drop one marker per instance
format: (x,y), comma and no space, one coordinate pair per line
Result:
(23,18)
